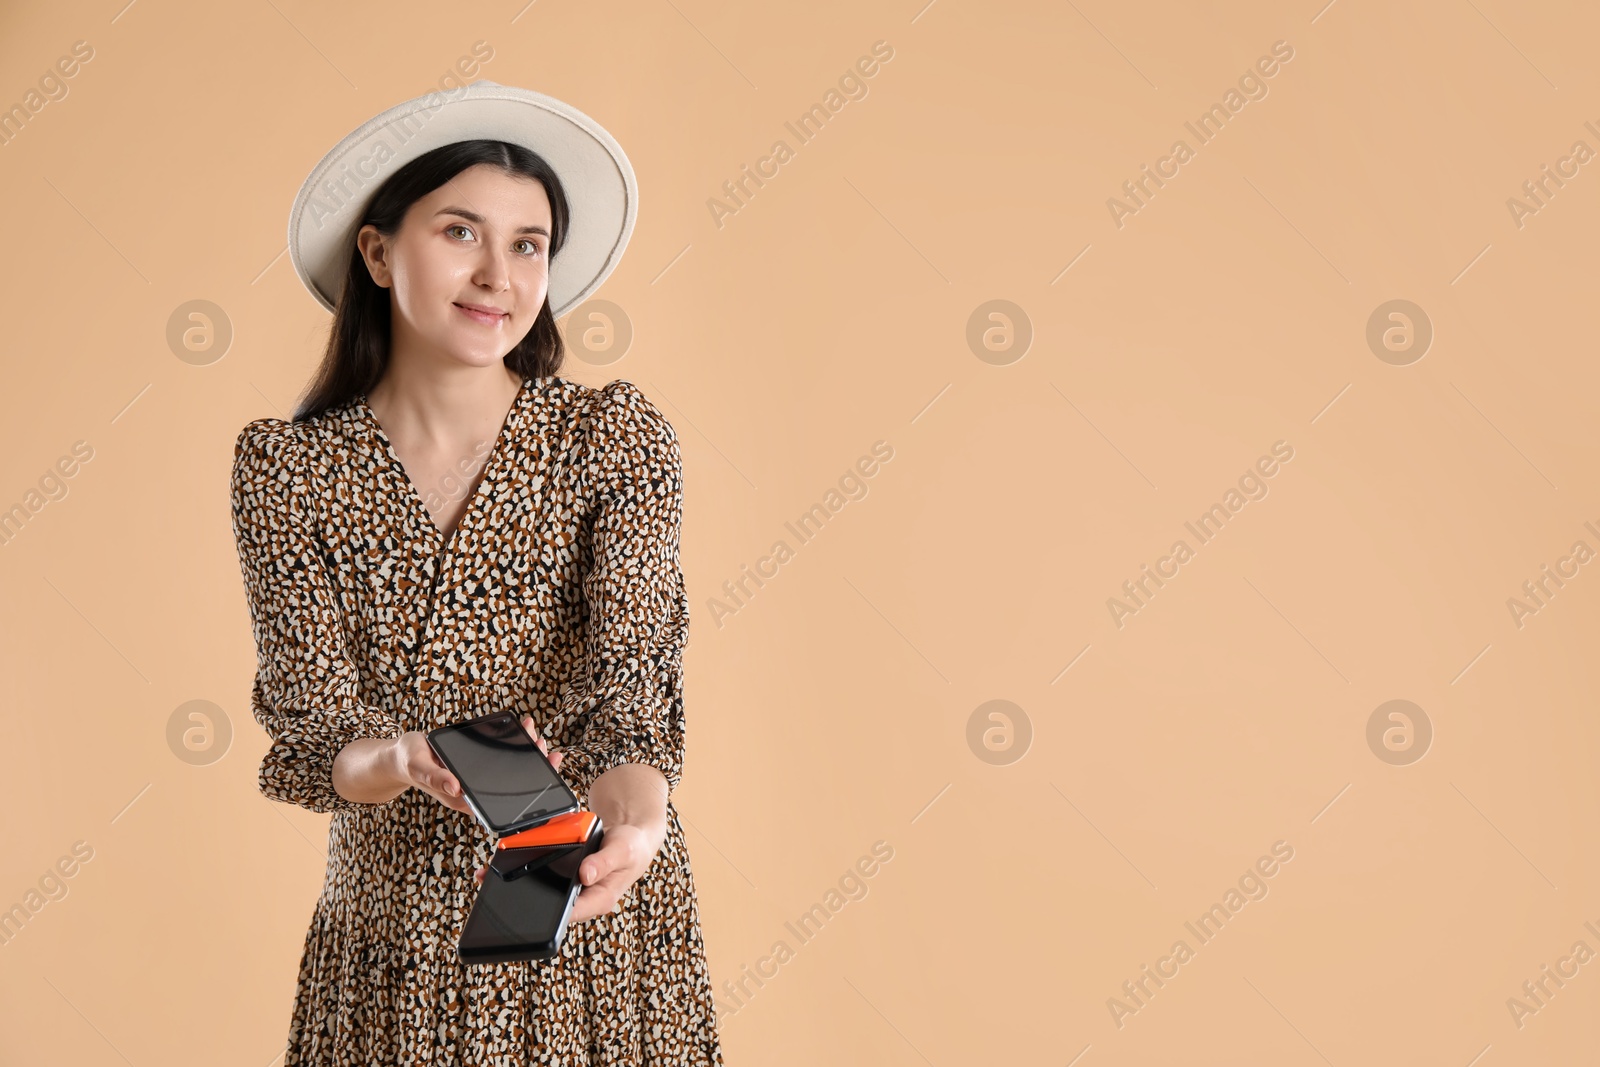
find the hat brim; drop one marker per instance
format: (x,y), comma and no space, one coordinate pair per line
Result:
(601,189)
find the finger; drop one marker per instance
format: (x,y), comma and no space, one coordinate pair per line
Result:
(606,895)
(454,804)
(594,901)
(527,724)
(609,859)
(441,785)
(479,874)
(431,775)
(555,761)
(450,799)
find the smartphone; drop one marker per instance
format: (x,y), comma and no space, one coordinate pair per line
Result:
(561,830)
(506,781)
(523,916)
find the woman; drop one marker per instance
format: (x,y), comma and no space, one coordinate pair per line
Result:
(544,578)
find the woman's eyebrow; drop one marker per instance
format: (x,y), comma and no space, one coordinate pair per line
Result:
(473,216)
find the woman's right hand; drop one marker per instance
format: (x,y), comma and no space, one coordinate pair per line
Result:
(418,768)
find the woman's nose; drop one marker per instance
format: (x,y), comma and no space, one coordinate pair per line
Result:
(493,271)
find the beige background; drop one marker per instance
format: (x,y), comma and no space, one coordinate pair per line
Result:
(832,710)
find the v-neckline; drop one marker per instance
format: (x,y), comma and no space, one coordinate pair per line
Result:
(416,506)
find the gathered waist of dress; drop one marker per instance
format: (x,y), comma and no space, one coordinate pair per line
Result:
(430,705)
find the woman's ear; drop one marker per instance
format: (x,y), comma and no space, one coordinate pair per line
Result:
(375,251)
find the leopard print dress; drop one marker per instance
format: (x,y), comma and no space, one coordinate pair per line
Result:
(559,593)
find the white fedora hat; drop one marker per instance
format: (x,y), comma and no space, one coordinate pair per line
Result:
(602,193)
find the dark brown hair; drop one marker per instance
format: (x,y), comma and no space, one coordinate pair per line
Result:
(358,347)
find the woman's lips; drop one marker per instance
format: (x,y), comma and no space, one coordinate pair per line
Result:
(481,316)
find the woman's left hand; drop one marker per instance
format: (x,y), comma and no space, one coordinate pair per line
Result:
(606,874)
(625,853)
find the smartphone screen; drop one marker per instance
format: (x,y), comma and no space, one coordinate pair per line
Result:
(507,780)
(524,917)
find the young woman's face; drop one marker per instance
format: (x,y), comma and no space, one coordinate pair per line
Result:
(481,240)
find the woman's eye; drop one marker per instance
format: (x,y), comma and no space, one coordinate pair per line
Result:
(532,246)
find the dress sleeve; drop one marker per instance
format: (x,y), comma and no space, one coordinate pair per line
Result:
(306,693)
(626,695)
